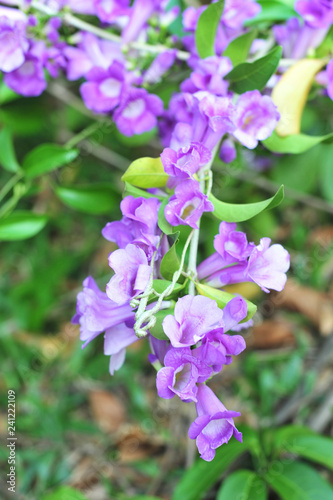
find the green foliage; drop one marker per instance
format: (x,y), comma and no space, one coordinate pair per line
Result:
(157,330)
(45,158)
(163,224)
(146,173)
(239,48)
(202,476)
(251,76)
(206,29)
(272,10)
(295,144)
(230,212)
(243,484)
(64,493)
(7,154)
(21,225)
(297,481)
(222,298)
(170,262)
(91,199)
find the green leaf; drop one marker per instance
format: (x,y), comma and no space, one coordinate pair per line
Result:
(243,484)
(21,225)
(295,144)
(272,11)
(230,212)
(91,199)
(146,173)
(206,29)
(64,493)
(202,476)
(170,262)
(222,298)
(297,481)
(157,330)
(326,177)
(239,48)
(254,75)
(163,224)
(137,192)
(45,158)
(7,154)
(161,285)
(306,443)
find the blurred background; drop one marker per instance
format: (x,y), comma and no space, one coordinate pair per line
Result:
(84,434)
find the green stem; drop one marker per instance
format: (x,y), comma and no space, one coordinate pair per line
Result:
(10,184)
(86,132)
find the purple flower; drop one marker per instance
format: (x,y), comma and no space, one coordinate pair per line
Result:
(13,44)
(180,375)
(236,12)
(95,312)
(29,79)
(214,425)
(138,225)
(91,52)
(161,64)
(137,112)
(316,13)
(329,73)
(191,16)
(187,205)
(116,339)
(185,162)
(132,274)
(193,318)
(256,118)
(158,349)
(141,12)
(228,151)
(208,75)
(109,10)
(102,92)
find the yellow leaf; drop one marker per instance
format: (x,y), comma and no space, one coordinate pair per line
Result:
(291,92)
(146,173)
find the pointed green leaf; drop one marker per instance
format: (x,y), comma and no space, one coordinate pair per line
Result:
(202,476)
(243,484)
(206,29)
(21,225)
(272,11)
(306,443)
(295,144)
(65,493)
(161,285)
(239,48)
(7,154)
(45,158)
(91,199)
(170,262)
(297,481)
(157,330)
(230,212)
(222,299)
(137,192)
(146,173)
(254,75)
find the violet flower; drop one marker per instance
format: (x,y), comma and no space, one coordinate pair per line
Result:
(95,312)
(161,64)
(329,72)
(13,44)
(102,92)
(316,13)
(208,75)
(138,225)
(137,112)
(116,339)
(132,274)
(141,12)
(184,163)
(193,318)
(180,375)
(256,117)
(214,425)
(109,10)
(187,205)
(236,12)
(228,151)
(29,79)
